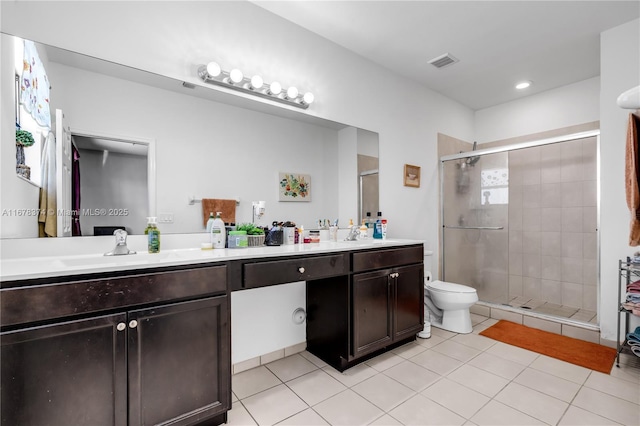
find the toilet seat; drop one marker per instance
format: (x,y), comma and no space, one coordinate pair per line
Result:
(446,287)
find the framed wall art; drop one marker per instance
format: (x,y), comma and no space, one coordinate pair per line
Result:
(411,176)
(294,187)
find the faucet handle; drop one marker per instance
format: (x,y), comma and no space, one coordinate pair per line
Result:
(121,237)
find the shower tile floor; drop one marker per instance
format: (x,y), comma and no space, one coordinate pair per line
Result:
(556,310)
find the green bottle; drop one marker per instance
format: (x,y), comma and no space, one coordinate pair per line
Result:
(153,235)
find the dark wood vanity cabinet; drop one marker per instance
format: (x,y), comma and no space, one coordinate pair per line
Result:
(378,306)
(168,363)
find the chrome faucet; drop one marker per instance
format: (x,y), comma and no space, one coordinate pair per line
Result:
(121,244)
(353,233)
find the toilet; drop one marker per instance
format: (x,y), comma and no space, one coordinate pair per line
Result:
(446,304)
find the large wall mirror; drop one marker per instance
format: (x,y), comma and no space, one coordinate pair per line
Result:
(149,145)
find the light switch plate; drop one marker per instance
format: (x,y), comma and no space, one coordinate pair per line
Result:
(165,218)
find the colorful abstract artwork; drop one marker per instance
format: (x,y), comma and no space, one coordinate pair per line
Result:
(294,187)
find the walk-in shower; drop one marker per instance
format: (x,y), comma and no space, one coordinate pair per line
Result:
(520,225)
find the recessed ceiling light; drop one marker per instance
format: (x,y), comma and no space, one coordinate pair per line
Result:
(523,84)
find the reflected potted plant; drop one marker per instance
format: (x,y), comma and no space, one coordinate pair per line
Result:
(24,139)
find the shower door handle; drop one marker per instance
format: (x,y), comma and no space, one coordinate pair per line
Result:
(487,228)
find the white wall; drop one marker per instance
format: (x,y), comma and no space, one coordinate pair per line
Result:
(173,38)
(565,106)
(619,71)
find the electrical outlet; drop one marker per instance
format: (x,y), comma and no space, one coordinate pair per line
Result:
(165,218)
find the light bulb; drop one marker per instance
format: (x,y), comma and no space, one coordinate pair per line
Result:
(292,92)
(213,69)
(275,88)
(236,75)
(256,82)
(523,85)
(308,98)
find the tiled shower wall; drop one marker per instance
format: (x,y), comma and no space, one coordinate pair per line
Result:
(552,223)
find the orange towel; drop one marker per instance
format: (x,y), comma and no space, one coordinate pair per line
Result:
(632,187)
(227,207)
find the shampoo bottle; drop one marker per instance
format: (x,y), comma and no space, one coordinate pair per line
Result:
(363,229)
(153,235)
(218,232)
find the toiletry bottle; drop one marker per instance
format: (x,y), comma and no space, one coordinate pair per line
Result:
(370,224)
(384,229)
(210,222)
(377,229)
(301,235)
(350,223)
(153,235)
(218,232)
(363,229)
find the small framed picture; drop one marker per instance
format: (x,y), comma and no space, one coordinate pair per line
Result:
(294,187)
(412,175)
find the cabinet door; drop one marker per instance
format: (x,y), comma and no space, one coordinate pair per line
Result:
(71,373)
(179,362)
(372,304)
(408,310)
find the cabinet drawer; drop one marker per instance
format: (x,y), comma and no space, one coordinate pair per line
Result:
(286,271)
(21,305)
(378,259)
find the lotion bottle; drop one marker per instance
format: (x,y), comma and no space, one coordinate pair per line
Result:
(218,232)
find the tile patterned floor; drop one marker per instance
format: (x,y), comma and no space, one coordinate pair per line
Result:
(449,379)
(561,311)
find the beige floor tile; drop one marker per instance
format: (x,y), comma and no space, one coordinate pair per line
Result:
(513,353)
(420,410)
(498,414)
(533,403)
(445,334)
(384,361)
(239,416)
(348,408)
(578,417)
(386,420)
(291,367)
(412,375)
(314,359)
(315,387)
(234,398)
(353,375)
(383,391)
(436,362)
(615,387)
(626,372)
(456,350)
(253,381)
(478,380)
(473,340)
(307,417)
(497,365)
(409,350)
(456,397)
(431,341)
(562,369)
(477,319)
(479,328)
(274,405)
(548,384)
(607,406)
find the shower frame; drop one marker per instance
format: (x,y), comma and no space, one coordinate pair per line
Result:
(514,147)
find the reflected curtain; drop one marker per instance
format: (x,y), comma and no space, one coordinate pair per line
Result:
(75,192)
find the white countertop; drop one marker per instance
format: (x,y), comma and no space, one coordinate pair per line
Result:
(53,266)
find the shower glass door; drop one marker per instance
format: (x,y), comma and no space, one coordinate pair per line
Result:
(475,216)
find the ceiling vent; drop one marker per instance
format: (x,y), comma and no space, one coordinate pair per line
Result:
(443,60)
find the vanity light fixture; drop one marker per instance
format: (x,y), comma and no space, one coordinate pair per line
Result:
(212,73)
(523,84)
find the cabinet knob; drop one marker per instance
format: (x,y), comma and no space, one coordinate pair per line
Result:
(121,326)
(133,324)
(301,269)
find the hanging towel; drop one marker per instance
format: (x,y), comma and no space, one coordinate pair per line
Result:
(227,207)
(632,188)
(47,219)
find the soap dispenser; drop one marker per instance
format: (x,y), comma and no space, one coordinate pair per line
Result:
(153,235)
(218,232)
(377,228)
